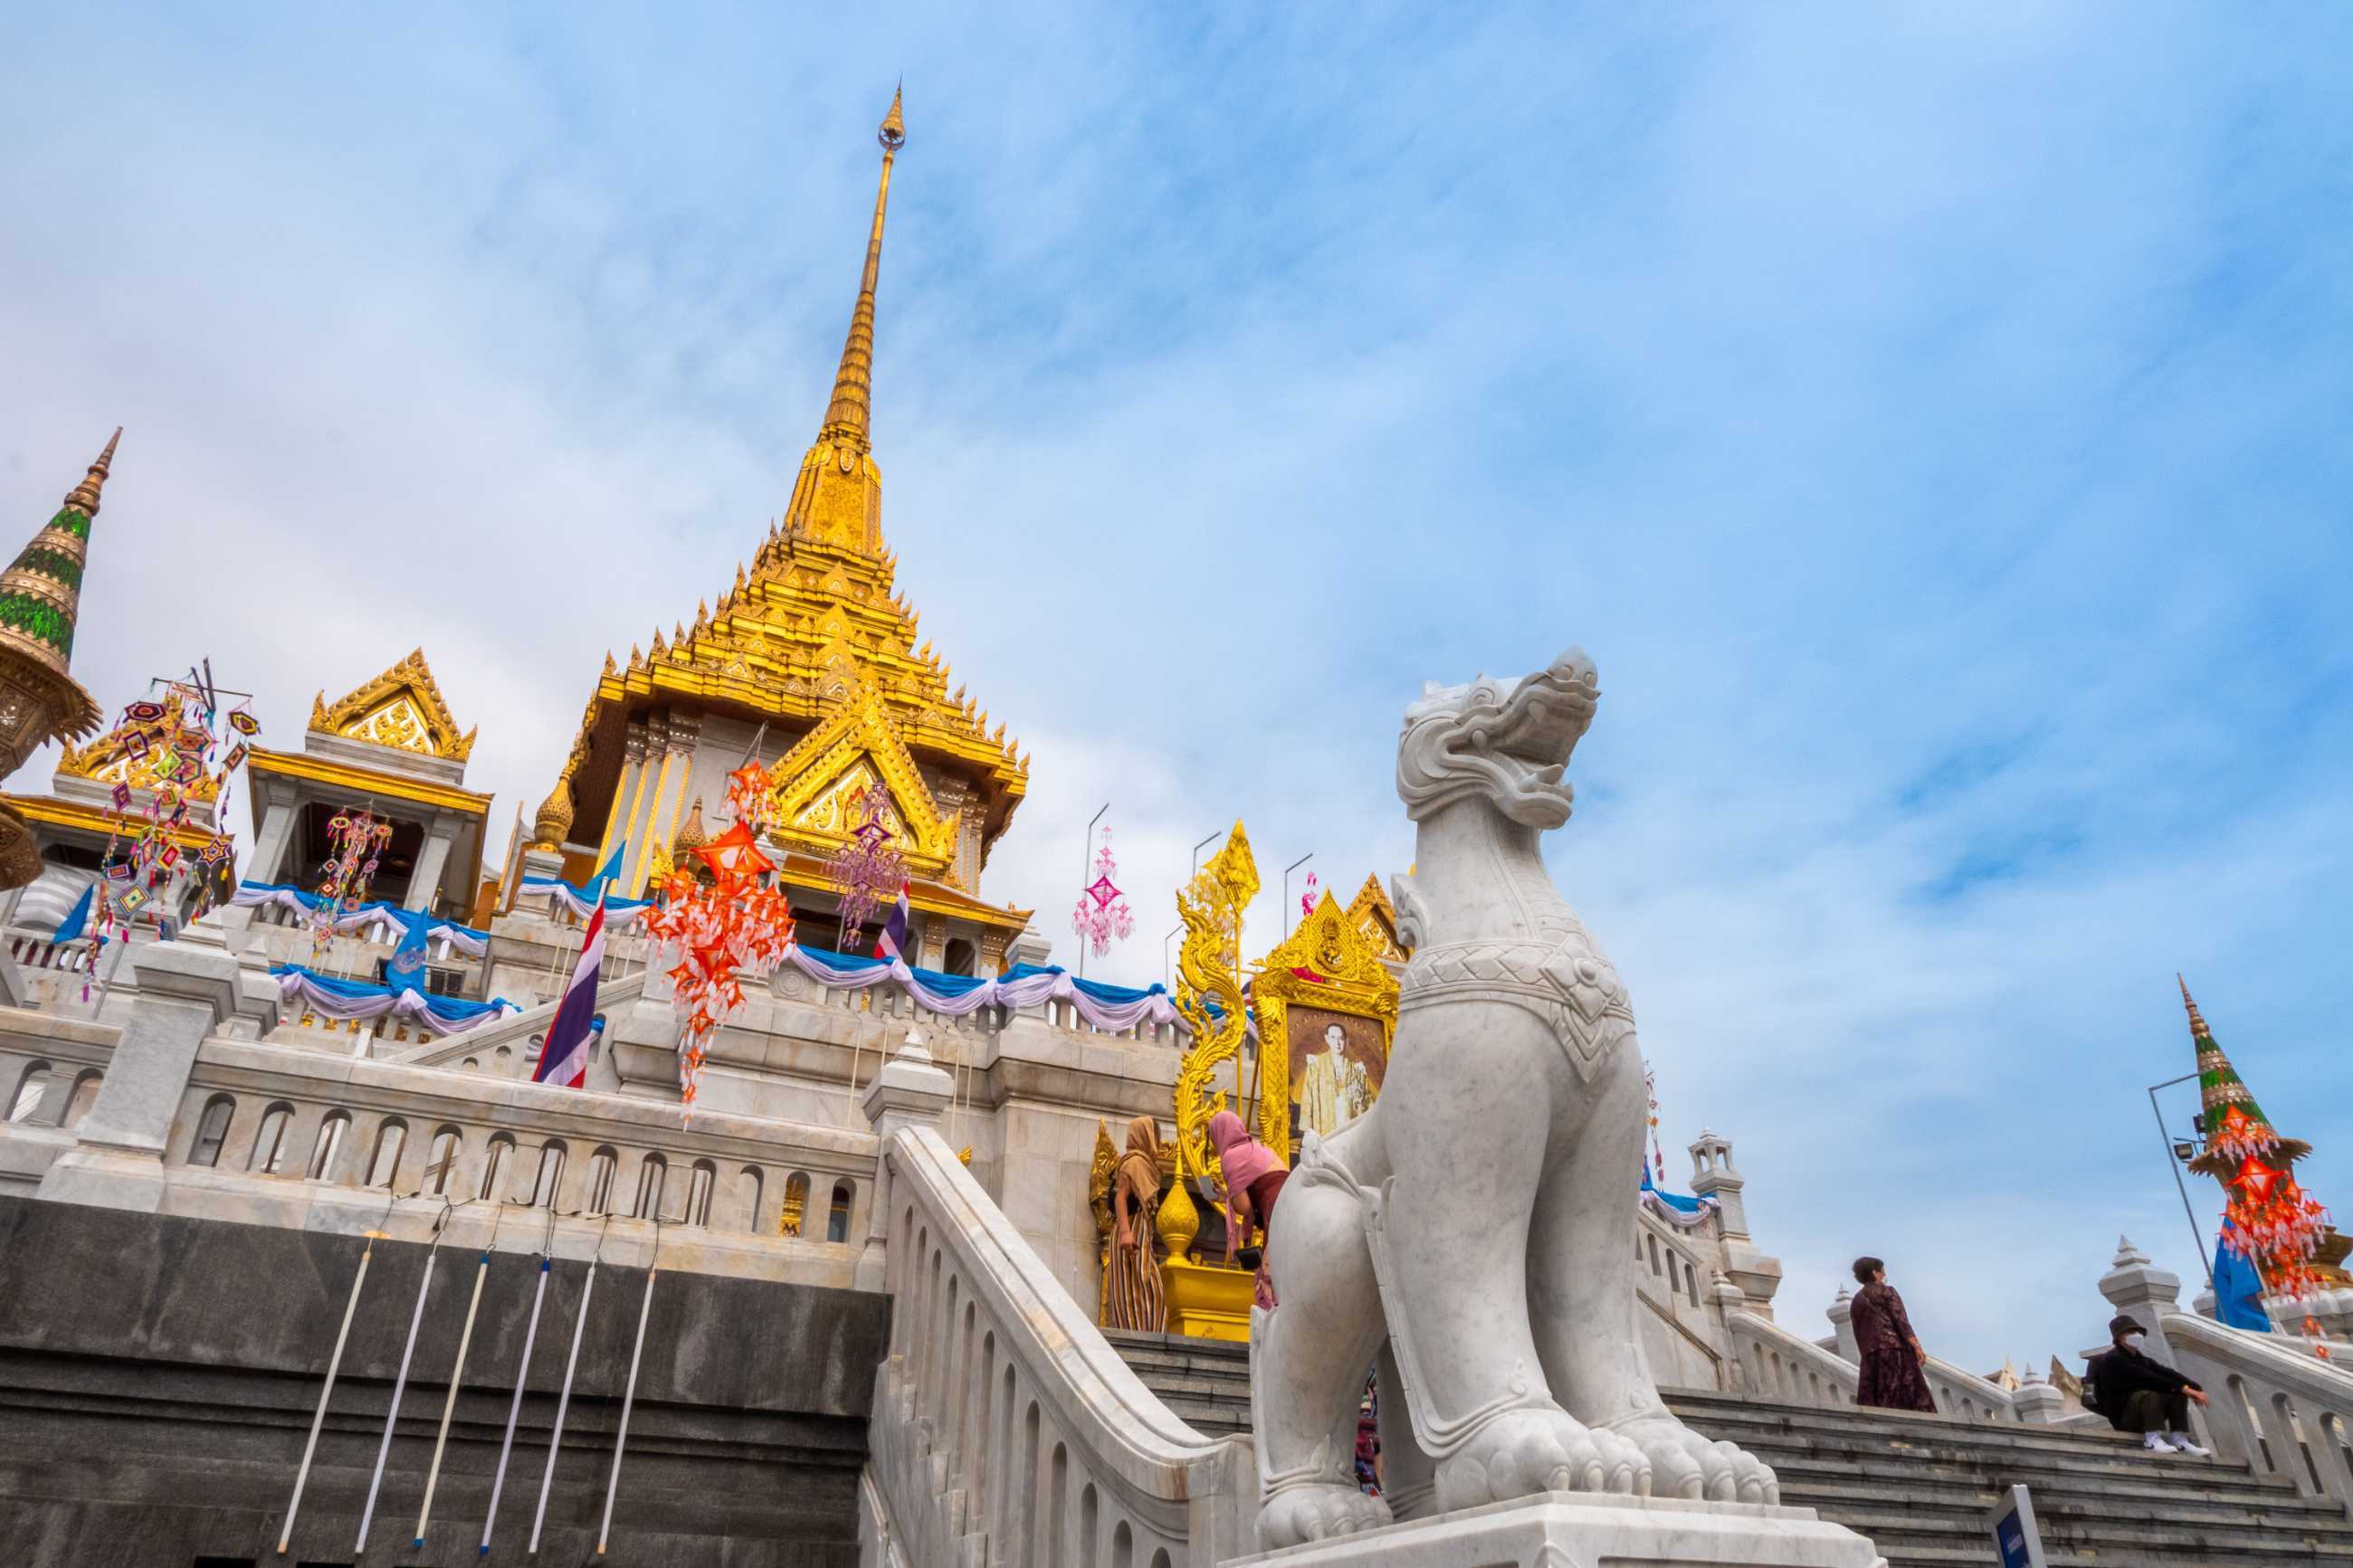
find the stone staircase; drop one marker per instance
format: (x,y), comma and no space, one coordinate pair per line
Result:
(1920,1486)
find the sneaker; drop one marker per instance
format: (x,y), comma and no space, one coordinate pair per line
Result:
(2155,1442)
(2182,1444)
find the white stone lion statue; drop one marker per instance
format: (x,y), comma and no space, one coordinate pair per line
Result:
(1472,1235)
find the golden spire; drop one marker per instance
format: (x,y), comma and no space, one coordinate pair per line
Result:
(847,417)
(2198,1029)
(83,497)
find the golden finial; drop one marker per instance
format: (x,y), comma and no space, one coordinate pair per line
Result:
(554,819)
(610,668)
(693,836)
(2198,1030)
(83,497)
(848,416)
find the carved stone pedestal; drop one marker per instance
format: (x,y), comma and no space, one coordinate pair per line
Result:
(1566,1529)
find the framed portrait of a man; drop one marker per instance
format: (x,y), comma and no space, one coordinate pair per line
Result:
(1336,1065)
(1326,1008)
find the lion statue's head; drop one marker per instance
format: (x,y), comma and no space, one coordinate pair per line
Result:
(1506,743)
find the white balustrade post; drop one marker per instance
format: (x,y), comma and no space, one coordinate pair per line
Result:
(117,1161)
(909,1092)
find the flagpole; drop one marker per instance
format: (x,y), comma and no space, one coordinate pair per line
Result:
(522,1374)
(457,1379)
(400,1380)
(629,1396)
(335,1364)
(564,1399)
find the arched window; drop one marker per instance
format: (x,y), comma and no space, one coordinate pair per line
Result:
(212,1131)
(789,1223)
(747,1197)
(959,959)
(471,1064)
(837,1222)
(389,1140)
(442,1161)
(494,1170)
(30,1089)
(330,1142)
(601,1165)
(84,1096)
(268,1156)
(650,1187)
(698,1193)
(551,1174)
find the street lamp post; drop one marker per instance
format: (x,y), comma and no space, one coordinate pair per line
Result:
(1287,870)
(2173,1158)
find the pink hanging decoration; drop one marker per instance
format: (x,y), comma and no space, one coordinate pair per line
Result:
(1307,898)
(1102,916)
(868,866)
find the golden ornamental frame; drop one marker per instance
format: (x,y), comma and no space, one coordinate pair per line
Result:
(1352,978)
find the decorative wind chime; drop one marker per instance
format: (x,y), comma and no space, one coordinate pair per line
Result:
(2269,1220)
(358,840)
(1102,916)
(191,746)
(868,866)
(1650,1110)
(736,926)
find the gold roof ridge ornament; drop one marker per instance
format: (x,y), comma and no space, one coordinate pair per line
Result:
(401,709)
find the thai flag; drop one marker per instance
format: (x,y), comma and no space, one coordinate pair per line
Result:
(564,1057)
(892,943)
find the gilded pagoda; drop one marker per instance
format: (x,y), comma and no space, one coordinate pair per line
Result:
(810,660)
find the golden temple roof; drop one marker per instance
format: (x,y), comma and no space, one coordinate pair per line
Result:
(812,638)
(401,709)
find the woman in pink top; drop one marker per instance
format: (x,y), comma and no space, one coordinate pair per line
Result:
(1254,1177)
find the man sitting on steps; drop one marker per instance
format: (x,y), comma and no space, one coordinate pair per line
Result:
(2138,1394)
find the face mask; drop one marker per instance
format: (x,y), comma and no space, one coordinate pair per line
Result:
(2132,1341)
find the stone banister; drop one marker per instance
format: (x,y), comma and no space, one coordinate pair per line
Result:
(1006,1429)
(1780,1365)
(2271,1403)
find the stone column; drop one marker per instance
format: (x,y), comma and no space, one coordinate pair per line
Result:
(910,1091)
(2140,1289)
(2037,1402)
(117,1161)
(270,844)
(431,860)
(1713,1176)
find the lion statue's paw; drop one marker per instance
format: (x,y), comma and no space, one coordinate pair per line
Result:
(1523,1452)
(1317,1512)
(1685,1465)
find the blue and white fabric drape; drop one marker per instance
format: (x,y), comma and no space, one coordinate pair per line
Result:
(379,920)
(1683,1213)
(955,996)
(619,914)
(331,996)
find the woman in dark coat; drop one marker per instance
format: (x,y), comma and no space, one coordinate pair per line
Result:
(1891,1356)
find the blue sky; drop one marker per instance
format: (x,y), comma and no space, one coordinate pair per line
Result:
(1932,422)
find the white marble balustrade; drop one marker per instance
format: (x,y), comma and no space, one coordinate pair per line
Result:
(1006,1429)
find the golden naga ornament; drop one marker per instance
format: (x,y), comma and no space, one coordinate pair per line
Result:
(1209,999)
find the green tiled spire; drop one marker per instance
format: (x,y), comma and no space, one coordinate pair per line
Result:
(40,594)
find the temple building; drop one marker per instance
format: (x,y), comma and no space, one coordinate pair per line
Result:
(390,747)
(809,661)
